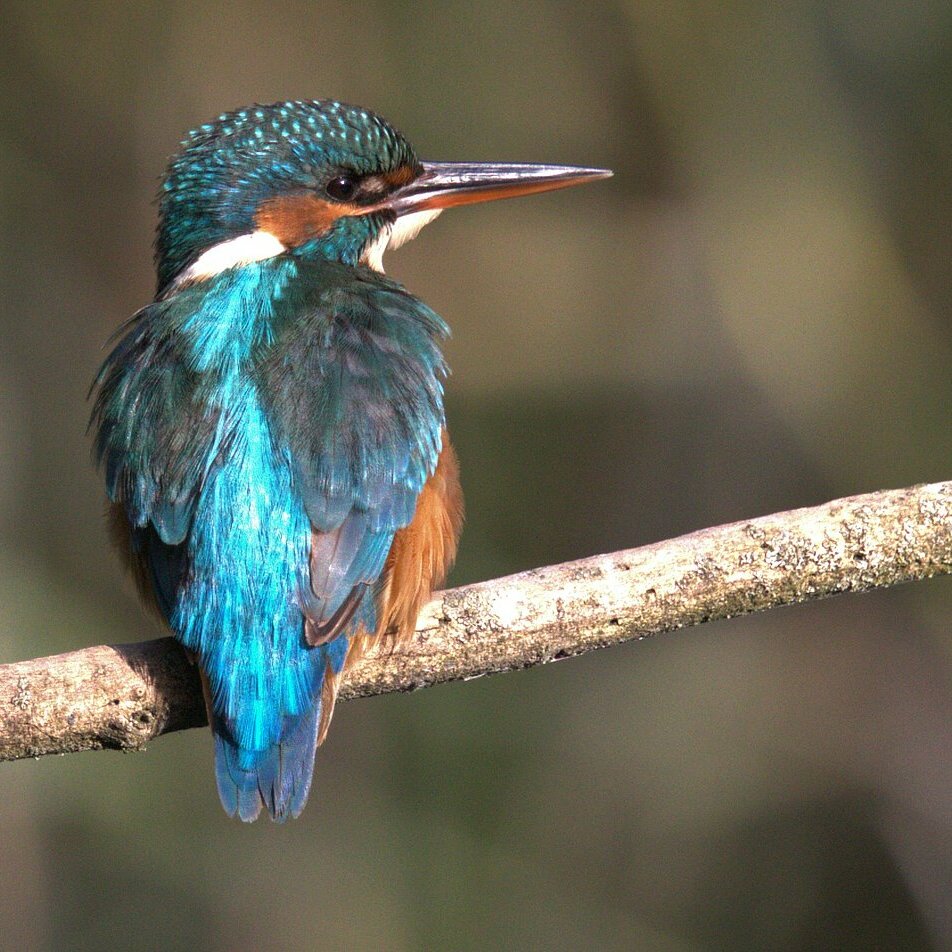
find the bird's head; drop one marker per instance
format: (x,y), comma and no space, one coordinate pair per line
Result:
(316,177)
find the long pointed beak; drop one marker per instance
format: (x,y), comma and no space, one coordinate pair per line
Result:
(447,184)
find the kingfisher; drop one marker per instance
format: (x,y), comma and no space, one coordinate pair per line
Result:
(271,427)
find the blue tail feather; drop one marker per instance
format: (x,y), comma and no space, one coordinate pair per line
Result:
(276,771)
(278,778)
(237,788)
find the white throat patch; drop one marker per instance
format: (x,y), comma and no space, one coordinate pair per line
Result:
(404,229)
(244,249)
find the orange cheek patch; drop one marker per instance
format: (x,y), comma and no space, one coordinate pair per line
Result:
(295,219)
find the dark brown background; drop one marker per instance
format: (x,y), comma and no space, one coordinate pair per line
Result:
(752,315)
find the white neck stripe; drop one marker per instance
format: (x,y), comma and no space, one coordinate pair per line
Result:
(261,245)
(245,249)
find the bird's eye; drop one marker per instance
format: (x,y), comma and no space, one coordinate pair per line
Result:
(342,188)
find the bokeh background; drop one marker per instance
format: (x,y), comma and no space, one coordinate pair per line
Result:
(753,315)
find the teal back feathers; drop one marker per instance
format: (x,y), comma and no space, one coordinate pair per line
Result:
(267,432)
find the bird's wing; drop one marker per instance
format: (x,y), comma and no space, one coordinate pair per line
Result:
(351,385)
(156,433)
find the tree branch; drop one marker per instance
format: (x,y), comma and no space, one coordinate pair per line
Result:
(122,696)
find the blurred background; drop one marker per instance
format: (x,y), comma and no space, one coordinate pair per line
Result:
(753,315)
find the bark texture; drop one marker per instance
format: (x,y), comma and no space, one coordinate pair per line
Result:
(122,696)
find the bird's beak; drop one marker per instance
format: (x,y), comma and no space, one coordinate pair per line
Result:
(447,184)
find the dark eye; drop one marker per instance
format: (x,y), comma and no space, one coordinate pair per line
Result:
(342,188)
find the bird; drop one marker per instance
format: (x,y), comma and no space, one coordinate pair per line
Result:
(271,427)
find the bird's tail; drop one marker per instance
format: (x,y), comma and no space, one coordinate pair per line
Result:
(277,778)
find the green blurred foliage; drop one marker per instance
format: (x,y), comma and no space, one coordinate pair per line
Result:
(752,315)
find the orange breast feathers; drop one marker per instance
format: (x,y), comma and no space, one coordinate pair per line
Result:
(424,551)
(421,555)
